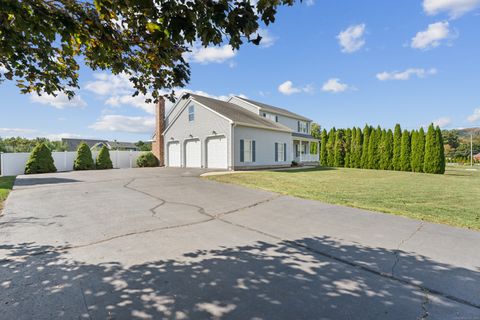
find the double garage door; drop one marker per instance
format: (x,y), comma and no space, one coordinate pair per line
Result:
(216,153)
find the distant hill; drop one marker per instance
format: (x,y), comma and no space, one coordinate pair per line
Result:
(465,133)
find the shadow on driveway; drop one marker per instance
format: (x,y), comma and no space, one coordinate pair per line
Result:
(259,281)
(23,182)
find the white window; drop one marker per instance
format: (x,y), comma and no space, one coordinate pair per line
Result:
(302,127)
(281,152)
(191,113)
(270,116)
(247,150)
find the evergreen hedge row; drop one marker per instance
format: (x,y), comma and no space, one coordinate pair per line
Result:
(377,148)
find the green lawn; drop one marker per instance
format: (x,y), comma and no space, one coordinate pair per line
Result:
(6,184)
(452,198)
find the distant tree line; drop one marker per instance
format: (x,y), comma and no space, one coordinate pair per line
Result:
(377,148)
(19,144)
(457,144)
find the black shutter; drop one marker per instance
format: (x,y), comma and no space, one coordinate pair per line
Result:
(241,149)
(276,118)
(284,152)
(276,152)
(298,125)
(253,150)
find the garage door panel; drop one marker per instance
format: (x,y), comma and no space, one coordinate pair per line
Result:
(217,154)
(174,154)
(193,154)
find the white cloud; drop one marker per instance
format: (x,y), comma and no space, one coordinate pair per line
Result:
(60,101)
(432,37)
(405,75)
(268,39)
(212,54)
(137,101)
(475,116)
(442,122)
(287,88)
(352,38)
(334,86)
(15,132)
(109,84)
(310,3)
(455,8)
(117,90)
(120,123)
(3,69)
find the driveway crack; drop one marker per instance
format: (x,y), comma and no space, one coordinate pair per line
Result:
(402,242)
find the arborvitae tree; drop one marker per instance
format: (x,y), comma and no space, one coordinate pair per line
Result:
(414,147)
(103,159)
(389,150)
(331,148)
(406,150)
(371,150)
(373,145)
(418,150)
(84,160)
(358,148)
(40,161)
(348,147)
(397,147)
(378,140)
(339,153)
(366,139)
(441,150)
(430,150)
(323,149)
(385,149)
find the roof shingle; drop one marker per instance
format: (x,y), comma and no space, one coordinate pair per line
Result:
(238,114)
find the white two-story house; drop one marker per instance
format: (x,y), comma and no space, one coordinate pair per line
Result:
(238,134)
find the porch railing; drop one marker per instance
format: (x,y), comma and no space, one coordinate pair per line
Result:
(307,158)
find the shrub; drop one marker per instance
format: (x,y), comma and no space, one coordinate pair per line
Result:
(103,159)
(40,161)
(405,152)
(84,160)
(147,159)
(323,148)
(339,149)
(397,148)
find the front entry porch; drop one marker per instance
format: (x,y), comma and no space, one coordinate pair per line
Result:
(303,151)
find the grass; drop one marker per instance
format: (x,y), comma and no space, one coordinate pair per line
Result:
(452,198)
(6,184)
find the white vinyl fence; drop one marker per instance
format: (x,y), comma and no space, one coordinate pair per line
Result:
(13,164)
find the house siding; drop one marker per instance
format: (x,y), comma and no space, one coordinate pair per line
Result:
(244,104)
(206,121)
(264,146)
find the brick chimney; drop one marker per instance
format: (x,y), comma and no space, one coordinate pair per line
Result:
(157,145)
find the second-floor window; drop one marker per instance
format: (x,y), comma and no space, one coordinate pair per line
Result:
(270,116)
(191,113)
(302,127)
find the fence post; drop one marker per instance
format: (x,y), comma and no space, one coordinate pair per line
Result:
(65,160)
(1,163)
(130,158)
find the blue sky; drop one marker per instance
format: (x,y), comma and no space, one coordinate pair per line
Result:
(340,63)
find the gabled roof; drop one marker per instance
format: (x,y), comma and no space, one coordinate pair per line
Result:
(269,108)
(238,114)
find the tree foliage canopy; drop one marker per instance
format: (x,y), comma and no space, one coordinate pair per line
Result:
(42,41)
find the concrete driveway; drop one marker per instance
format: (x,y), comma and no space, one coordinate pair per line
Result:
(162,243)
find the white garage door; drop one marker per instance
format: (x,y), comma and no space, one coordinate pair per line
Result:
(217,153)
(193,155)
(174,154)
